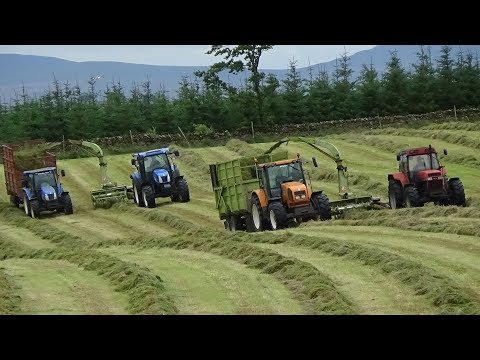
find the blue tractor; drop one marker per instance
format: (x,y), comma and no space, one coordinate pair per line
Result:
(42,191)
(157,176)
(39,189)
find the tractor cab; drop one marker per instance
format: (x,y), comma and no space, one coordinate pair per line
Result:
(43,184)
(155,166)
(285,180)
(422,165)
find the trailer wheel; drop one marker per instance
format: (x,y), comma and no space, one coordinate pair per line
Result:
(67,204)
(277,215)
(321,203)
(14,201)
(26,206)
(148,196)
(254,218)
(234,223)
(457,192)
(34,209)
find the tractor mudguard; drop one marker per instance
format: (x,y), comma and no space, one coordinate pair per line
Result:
(262,197)
(453,178)
(28,193)
(136,178)
(316,192)
(400,177)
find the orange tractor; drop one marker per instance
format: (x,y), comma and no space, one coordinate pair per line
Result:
(269,190)
(421,179)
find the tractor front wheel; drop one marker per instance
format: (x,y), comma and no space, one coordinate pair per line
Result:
(321,204)
(412,197)
(34,209)
(395,196)
(183,193)
(67,204)
(136,197)
(26,206)
(148,197)
(277,215)
(457,193)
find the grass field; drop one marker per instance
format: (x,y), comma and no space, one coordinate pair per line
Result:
(178,259)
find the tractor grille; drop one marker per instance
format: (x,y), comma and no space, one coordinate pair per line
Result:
(435,186)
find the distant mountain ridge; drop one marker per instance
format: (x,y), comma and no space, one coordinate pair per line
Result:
(36,72)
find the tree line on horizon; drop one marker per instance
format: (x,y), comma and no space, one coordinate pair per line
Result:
(206,103)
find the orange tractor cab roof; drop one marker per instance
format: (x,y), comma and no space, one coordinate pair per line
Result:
(276,163)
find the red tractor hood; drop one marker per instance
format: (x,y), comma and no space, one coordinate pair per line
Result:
(425,174)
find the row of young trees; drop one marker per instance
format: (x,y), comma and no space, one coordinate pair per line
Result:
(65,110)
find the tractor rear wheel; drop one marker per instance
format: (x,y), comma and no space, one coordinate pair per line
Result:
(148,196)
(457,192)
(277,215)
(254,218)
(183,193)
(34,209)
(395,196)
(321,204)
(67,204)
(412,197)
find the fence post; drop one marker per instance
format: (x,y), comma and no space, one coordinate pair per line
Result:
(455,111)
(184,136)
(63,143)
(253,131)
(131,136)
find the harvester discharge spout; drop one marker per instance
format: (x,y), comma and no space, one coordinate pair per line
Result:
(109,192)
(347,200)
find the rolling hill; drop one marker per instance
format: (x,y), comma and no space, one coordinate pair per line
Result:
(37,72)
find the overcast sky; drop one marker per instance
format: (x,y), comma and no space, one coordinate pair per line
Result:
(188,55)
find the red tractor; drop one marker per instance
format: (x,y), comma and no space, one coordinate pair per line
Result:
(422,179)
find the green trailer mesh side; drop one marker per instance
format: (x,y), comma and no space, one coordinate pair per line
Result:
(233,181)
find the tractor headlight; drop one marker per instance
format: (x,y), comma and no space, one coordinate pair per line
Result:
(302,196)
(297,197)
(45,196)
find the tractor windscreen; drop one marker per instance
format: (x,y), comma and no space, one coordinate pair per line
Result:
(48,178)
(282,173)
(159,161)
(423,162)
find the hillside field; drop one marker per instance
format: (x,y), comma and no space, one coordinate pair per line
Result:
(178,259)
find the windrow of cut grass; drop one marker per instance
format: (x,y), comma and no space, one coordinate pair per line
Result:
(453,220)
(39,227)
(445,135)
(394,147)
(242,148)
(145,291)
(422,279)
(441,291)
(313,289)
(10,299)
(453,125)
